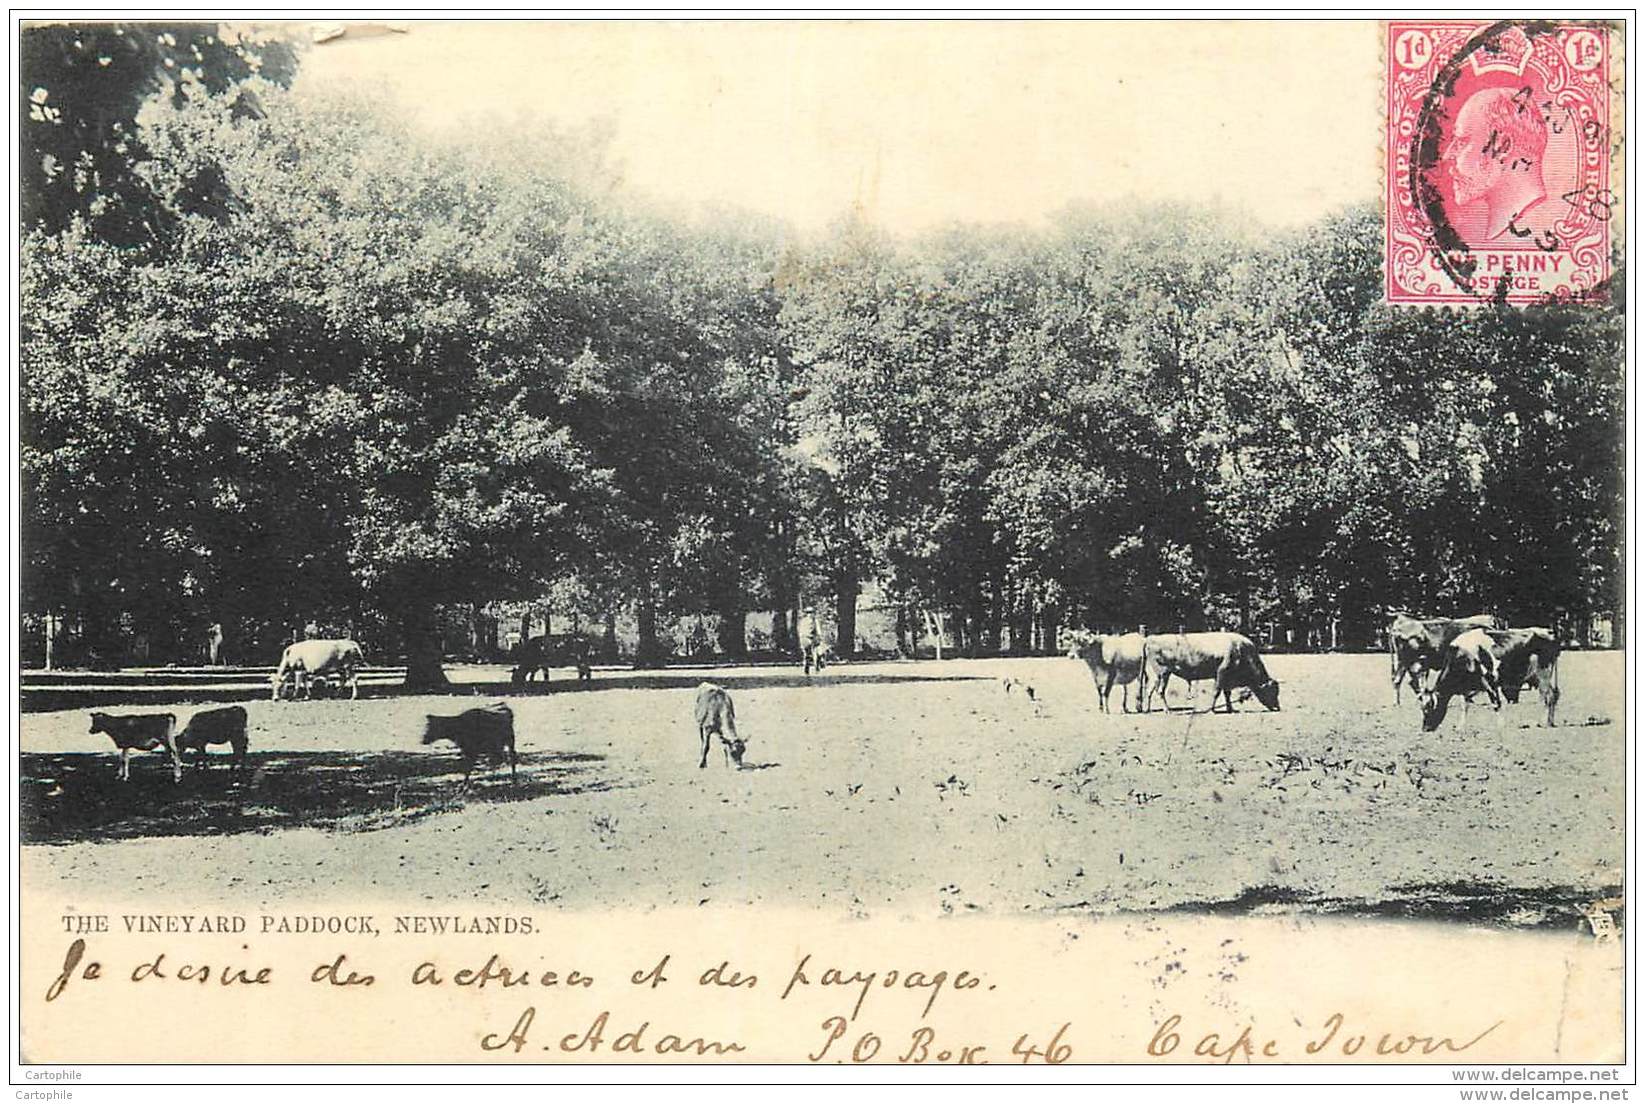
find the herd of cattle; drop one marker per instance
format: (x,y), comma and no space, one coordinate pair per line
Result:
(1439,658)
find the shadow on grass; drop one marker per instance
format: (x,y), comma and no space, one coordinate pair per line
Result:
(1550,907)
(79,797)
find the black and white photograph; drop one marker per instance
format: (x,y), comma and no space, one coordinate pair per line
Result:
(1028,494)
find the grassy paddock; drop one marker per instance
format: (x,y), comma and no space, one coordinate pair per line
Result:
(913,787)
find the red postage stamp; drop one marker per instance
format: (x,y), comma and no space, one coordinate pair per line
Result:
(1499,161)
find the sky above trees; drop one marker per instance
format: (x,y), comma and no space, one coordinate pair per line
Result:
(915,125)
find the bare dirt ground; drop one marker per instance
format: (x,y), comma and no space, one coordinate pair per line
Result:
(908,788)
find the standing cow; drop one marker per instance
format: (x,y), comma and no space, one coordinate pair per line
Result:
(1418,644)
(1112,660)
(1228,657)
(1468,666)
(141,732)
(303,662)
(543,652)
(1527,657)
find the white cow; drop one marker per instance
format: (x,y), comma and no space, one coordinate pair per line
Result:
(307,660)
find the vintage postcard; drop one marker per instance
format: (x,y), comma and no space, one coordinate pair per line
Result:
(822,544)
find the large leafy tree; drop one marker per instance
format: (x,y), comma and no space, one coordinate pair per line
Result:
(82,86)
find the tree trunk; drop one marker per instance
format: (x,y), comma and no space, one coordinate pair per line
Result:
(782,628)
(609,647)
(647,653)
(905,648)
(1048,628)
(845,611)
(421,625)
(733,633)
(96,642)
(1022,623)
(779,632)
(994,623)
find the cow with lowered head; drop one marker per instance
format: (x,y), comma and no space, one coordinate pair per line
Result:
(306,661)
(1417,645)
(1527,657)
(1227,657)
(1468,665)
(716,716)
(485,733)
(215,726)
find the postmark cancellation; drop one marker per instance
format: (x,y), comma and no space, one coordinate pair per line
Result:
(1502,170)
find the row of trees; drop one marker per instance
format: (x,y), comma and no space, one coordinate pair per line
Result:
(286,358)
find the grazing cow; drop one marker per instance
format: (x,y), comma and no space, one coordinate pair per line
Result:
(307,660)
(560,650)
(1527,657)
(716,716)
(1112,659)
(1226,656)
(141,732)
(1416,644)
(215,726)
(1468,666)
(484,733)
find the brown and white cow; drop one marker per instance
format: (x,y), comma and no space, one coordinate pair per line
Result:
(716,716)
(141,732)
(303,662)
(1113,659)
(1228,657)
(1527,657)
(1417,645)
(1468,665)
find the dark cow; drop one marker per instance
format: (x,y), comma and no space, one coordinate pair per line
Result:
(215,726)
(1226,656)
(484,733)
(716,716)
(1468,665)
(1418,644)
(1527,657)
(1112,659)
(142,732)
(560,650)
(307,660)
